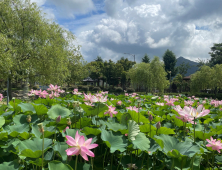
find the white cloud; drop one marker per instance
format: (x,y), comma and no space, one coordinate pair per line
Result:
(70,8)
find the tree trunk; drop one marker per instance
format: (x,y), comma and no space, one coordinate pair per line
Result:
(10,88)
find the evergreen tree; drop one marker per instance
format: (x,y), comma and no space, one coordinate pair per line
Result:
(170,60)
(146,59)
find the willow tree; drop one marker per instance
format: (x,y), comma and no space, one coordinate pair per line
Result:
(202,79)
(158,79)
(33,44)
(140,75)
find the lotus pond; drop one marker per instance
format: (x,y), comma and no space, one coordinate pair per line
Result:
(105,131)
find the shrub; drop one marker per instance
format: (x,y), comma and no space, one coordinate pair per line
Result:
(85,88)
(80,87)
(36,87)
(91,87)
(119,89)
(130,90)
(96,89)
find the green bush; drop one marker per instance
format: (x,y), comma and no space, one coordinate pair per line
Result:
(85,88)
(96,89)
(36,87)
(130,90)
(80,87)
(119,89)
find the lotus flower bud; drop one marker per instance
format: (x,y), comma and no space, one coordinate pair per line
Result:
(158,125)
(69,121)
(150,117)
(29,118)
(126,134)
(132,166)
(58,119)
(41,129)
(139,103)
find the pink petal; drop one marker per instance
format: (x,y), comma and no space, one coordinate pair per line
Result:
(70,141)
(84,156)
(92,146)
(87,151)
(81,141)
(77,136)
(88,142)
(72,151)
(199,108)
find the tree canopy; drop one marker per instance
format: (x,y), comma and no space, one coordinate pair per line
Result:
(183,68)
(216,54)
(170,60)
(33,45)
(146,59)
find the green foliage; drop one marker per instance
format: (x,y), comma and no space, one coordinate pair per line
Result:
(183,68)
(170,60)
(146,59)
(216,54)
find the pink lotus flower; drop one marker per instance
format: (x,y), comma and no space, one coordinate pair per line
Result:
(170,102)
(105,92)
(66,129)
(178,108)
(111,99)
(53,94)
(126,94)
(33,92)
(111,111)
(189,102)
(133,108)
(43,93)
(215,145)
(87,97)
(119,103)
(80,146)
(194,113)
(1,97)
(53,88)
(88,104)
(75,91)
(186,119)
(102,99)
(159,104)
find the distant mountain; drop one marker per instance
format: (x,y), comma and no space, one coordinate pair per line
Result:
(193,65)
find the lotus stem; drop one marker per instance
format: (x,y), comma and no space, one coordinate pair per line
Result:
(150,128)
(120,161)
(213,160)
(76,162)
(97,114)
(203,135)
(92,162)
(194,129)
(172,167)
(104,158)
(112,162)
(42,148)
(80,120)
(147,159)
(142,160)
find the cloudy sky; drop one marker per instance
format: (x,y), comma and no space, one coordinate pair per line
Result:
(110,28)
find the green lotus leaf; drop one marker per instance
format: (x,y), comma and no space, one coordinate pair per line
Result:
(27,107)
(3,136)
(54,165)
(21,119)
(91,131)
(203,136)
(169,143)
(92,111)
(15,130)
(33,148)
(48,131)
(165,130)
(154,98)
(84,122)
(38,162)
(114,141)
(61,147)
(58,110)
(134,115)
(40,109)
(9,113)
(2,121)
(124,118)
(115,126)
(133,130)
(13,165)
(141,142)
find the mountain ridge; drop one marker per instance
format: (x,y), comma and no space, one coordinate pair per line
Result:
(193,65)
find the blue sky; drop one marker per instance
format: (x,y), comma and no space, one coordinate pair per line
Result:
(110,28)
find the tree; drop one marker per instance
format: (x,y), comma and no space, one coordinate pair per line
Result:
(126,64)
(149,75)
(32,44)
(183,68)
(146,59)
(170,60)
(216,54)
(99,59)
(158,79)
(139,75)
